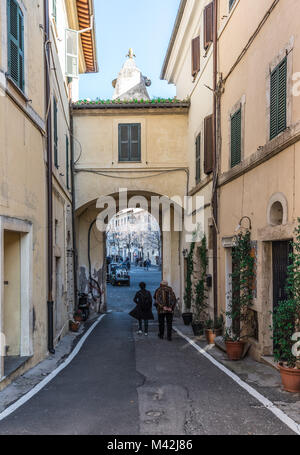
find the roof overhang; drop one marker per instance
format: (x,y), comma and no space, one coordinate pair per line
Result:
(173,37)
(80,14)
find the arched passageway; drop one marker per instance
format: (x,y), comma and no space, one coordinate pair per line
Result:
(133,255)
(92,221)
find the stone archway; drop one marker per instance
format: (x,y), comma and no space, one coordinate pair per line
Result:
(91,242)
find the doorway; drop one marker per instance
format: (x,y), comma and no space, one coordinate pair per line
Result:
(12,293)
(281,251)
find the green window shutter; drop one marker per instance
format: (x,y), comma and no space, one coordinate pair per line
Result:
(278,98)
(67,163)
(130,142)
(198,149)
(124,134)
(236,142)
(55,135)
(135,142)
(15,41)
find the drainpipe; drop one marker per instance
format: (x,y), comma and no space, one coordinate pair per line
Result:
(215,170)
(75,261)
(50,302)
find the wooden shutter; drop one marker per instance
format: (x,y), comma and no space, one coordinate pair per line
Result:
(236,132)
(198,155)
(124,148)
(208,144)
(195,56)
(15,41)
(135,142)
(208,24)
(278,98)
(55,134)
(282,95)
(130,142)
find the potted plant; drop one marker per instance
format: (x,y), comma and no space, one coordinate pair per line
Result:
(209,331)
(213,329)
(74,325)
(242,295)
(78,316)
(218,326)
(187,316)
(200,295)
(286,324)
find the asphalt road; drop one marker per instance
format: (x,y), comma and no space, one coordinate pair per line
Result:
(121,383)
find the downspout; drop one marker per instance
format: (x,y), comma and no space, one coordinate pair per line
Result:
(50,302)
(75,256)
(215,169)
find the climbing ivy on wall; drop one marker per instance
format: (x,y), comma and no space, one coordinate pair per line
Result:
(243,276)
(188,294)
(200,286)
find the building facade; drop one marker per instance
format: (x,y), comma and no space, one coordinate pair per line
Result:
(189,65)
(35,90)
(259,147)
(136,149)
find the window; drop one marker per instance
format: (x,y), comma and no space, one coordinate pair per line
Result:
(231,3)
(54,10)
(130,142)
(236,132)
(208,144)
(278,98)
(198,149)
(195,56)
(208,24)
(67,163)
(55,135)
(15,43)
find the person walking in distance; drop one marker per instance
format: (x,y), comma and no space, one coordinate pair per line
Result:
(143,310)
(165,301)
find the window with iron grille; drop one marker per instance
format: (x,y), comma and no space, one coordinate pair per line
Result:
(15,43)
(130,142)
(278,99)
(198,150)
(55,133)
(236,139)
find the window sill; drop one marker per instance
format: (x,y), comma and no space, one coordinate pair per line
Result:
(12,85)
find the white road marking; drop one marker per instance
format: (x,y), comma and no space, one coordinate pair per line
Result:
(263,400)
(10,409)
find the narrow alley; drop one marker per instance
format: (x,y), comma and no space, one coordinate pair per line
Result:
(122,383)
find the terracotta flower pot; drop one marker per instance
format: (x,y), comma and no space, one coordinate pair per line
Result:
(74,326)
(290,378)
(234,349)
(210,336)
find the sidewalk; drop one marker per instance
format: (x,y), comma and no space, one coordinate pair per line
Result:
(263,378)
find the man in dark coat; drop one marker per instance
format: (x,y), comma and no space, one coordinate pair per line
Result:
(165,302)
(143,310)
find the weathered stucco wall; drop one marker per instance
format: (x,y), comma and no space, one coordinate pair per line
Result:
(268,168)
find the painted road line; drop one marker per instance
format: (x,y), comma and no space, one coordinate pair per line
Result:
(263,400)
(10,409)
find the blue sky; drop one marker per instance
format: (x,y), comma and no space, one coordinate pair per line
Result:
(144,25)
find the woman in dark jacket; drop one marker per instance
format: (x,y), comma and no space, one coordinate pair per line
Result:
(143,310)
